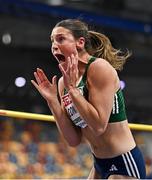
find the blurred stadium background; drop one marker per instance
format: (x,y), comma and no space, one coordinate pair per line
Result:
(31,149)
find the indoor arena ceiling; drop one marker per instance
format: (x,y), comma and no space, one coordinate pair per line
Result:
(128,19)
(26,24)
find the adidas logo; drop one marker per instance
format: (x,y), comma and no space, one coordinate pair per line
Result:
(113,168)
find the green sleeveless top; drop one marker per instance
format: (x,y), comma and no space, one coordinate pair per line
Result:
(118,112)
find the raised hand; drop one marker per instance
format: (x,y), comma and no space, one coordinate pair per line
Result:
(46,88)
(70,75)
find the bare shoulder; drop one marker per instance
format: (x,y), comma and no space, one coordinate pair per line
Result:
(102,66)
(101,71)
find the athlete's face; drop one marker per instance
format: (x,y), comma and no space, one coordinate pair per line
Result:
(63,44)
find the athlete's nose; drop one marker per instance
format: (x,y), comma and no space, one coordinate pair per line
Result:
(54,47)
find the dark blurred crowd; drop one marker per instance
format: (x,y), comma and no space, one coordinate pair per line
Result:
(31,149)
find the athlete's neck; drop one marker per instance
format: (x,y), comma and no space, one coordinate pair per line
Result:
(84,57)
(83,60)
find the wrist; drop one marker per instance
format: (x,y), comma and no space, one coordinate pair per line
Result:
(52,101)
(73,91)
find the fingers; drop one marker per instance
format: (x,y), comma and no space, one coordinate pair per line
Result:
(37,77)
(41,75)
(74,63)
(35,84)
(62,70)
(73,67)
(54,80)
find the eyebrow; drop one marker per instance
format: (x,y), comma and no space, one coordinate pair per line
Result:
(57,35)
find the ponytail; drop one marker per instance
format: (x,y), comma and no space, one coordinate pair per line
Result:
(101,47)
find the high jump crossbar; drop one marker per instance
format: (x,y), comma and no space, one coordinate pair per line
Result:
(43,117)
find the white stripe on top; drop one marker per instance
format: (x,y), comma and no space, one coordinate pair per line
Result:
(115,109)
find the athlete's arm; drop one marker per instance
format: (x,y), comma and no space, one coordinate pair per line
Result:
(71,133)
(101,80)
(49,92)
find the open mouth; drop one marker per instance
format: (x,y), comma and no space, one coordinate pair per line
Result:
(60,58)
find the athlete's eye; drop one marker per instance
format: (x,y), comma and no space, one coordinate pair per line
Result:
(60,39)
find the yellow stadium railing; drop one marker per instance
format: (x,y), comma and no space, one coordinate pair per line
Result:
(43,117)
(25,115)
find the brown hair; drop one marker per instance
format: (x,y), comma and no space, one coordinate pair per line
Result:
(97,44)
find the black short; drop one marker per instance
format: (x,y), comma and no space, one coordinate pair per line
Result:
(128,164)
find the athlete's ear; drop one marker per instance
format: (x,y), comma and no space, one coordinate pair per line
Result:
(80,43)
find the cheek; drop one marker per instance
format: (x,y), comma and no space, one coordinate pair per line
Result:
(51,50)
(68,48)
